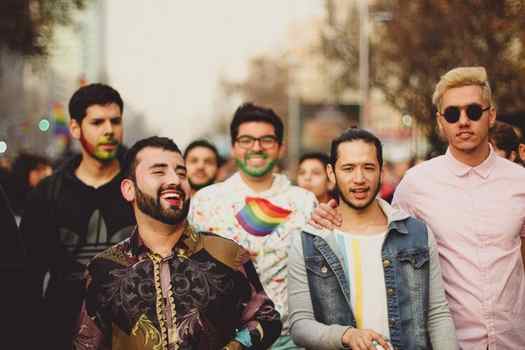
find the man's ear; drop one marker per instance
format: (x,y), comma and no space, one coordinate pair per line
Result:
(127,187)
(74,129)
(331,174)
(282,150)
(513,155)
(521,151)
(492,116)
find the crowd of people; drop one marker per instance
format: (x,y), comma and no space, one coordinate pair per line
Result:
(154,248)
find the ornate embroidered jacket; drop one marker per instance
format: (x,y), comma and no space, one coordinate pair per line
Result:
(200,297)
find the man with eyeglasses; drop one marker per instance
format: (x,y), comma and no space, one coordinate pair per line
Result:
(255,207)
(474,202)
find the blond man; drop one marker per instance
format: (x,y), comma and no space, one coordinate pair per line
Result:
(474,202)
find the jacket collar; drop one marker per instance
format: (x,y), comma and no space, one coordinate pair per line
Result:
(396,220)
(186,246)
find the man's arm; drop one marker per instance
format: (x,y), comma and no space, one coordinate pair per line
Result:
(305,330)
(522,235)
(440,324)
(402,197)
(88,336)
(38,231)
(523,251)
(262,323)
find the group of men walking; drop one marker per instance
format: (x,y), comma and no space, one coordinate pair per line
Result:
(119,257)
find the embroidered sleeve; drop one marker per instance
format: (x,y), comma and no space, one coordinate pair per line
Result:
(88,336)
(260,319)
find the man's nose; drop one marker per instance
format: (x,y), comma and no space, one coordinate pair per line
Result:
(463,118)
(257,145)
(108,127)
(359,176)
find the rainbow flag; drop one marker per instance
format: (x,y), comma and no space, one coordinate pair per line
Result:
(60,120)
(260,217)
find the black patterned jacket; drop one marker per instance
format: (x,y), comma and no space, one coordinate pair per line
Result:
(200,297)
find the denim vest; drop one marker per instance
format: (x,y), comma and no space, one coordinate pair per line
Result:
(405,257)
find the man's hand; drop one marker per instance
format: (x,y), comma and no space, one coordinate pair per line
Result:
(325,216)
(233,345)
(363,339)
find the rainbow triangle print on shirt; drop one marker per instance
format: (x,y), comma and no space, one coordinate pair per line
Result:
(260,217)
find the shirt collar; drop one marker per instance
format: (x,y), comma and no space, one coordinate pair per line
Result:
(185,247)
(279,184)
(395,217)
(461,169)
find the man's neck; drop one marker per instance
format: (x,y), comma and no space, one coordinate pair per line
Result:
(473,158)
(258,184)
(159,237)
(370,220)
(94,173)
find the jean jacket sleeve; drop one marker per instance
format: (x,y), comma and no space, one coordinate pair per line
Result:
(305,330)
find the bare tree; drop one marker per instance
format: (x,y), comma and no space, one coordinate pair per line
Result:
(26,26)
(421,40)
(266,84)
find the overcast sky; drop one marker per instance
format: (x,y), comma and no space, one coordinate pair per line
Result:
(165,56)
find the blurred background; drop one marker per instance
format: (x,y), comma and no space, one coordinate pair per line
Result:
(183,67)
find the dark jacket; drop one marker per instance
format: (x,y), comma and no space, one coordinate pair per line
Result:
(65,224)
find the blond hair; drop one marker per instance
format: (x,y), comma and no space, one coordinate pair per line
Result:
(462,76)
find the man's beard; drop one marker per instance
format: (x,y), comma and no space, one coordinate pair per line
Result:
(342,197)
(242,164)
(170,216)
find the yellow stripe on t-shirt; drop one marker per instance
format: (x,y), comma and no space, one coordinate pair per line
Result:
(358,283)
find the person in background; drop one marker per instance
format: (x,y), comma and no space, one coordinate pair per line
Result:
(26,172)
(259,209)
(202,161)
(312,176)
(75,214)
(505,141)
(13,296)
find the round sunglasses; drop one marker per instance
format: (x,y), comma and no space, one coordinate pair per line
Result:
(474,112)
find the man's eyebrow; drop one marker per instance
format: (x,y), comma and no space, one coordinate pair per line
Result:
(158,165)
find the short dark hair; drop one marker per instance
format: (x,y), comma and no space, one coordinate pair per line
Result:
(92,94)
(504,137)
(205,144)
(356,134)
(320,156)
(249,112)
(130,160)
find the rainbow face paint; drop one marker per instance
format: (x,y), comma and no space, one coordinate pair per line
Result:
(260,217)
(252,171)
(100,150)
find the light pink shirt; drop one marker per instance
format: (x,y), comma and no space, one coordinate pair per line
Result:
(478,216)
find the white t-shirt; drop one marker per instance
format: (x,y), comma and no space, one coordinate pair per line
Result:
(364,270)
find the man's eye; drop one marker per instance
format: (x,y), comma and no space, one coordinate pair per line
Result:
(116,121)
(158,172)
